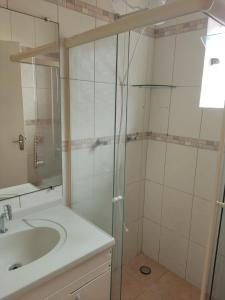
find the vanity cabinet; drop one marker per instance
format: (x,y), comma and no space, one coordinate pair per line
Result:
(97,289)
(89,280)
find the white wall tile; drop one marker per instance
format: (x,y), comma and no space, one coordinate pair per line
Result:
(105,60)
(72,22)
(29,103)
(82,201)
(156,161)
(136,110)
(212,121)
(104,109)
(150,59)
(82,109)
(43,77)
(122,58)
(27,75)
(42,9)
(134,162)
(140,236)
(173,252)
(185,114)
(153,201)
(138,66)
(205,174)
(151,239)
(195,265)
(159,110)
(82,62)
(147,109)
(133,202)
(45,32)
(23,29)
(5,32)
(189,56)
(44,107)
(180,167)
(103,159)
(102,201)
(130,242)
(163,60)
(82,164)
(176,212)
(201,218)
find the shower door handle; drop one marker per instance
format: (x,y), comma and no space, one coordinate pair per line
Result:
(20,142)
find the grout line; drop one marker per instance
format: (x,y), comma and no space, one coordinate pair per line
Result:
(164,170)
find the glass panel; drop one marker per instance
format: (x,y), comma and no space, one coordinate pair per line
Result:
(98,140)
(120,161)
(92,95)
(216,288)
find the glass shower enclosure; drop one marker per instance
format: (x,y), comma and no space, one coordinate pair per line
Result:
(98,105)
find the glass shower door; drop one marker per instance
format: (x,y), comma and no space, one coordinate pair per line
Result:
(98,130)
(217,276)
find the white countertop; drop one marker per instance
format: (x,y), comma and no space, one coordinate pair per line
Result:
(82,241)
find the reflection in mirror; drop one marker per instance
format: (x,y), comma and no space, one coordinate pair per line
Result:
(30,125)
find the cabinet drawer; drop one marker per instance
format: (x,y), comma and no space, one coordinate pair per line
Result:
(98,289)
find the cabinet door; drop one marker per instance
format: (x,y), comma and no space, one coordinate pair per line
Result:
(98,289)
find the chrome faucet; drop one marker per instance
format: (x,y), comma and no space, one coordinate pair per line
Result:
(6,215)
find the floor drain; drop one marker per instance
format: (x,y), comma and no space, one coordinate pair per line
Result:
(15,267)
(145,270)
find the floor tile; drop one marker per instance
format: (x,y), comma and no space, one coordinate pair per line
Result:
(160,285)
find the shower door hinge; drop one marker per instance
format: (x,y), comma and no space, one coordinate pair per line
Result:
(221,204)
(117,199)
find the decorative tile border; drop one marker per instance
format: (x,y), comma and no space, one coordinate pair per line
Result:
(87,9)
(181,28)
(184,141)
(93,143)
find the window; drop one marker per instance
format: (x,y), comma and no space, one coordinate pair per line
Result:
(213,80)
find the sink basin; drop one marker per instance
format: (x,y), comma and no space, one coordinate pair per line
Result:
(23,247)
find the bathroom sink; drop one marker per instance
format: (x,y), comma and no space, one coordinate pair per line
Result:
(23,247)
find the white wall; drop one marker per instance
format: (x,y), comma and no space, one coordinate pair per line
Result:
(179,178)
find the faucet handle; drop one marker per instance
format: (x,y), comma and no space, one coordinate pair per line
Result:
(8,211)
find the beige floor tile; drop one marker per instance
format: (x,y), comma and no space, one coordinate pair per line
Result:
(130,288)
(160,285)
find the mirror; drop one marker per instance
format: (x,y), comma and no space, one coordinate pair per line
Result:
(30,123)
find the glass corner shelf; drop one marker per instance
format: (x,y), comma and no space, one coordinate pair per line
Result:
(154,86)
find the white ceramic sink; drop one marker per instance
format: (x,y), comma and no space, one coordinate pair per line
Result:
(45,242)
(23,247)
